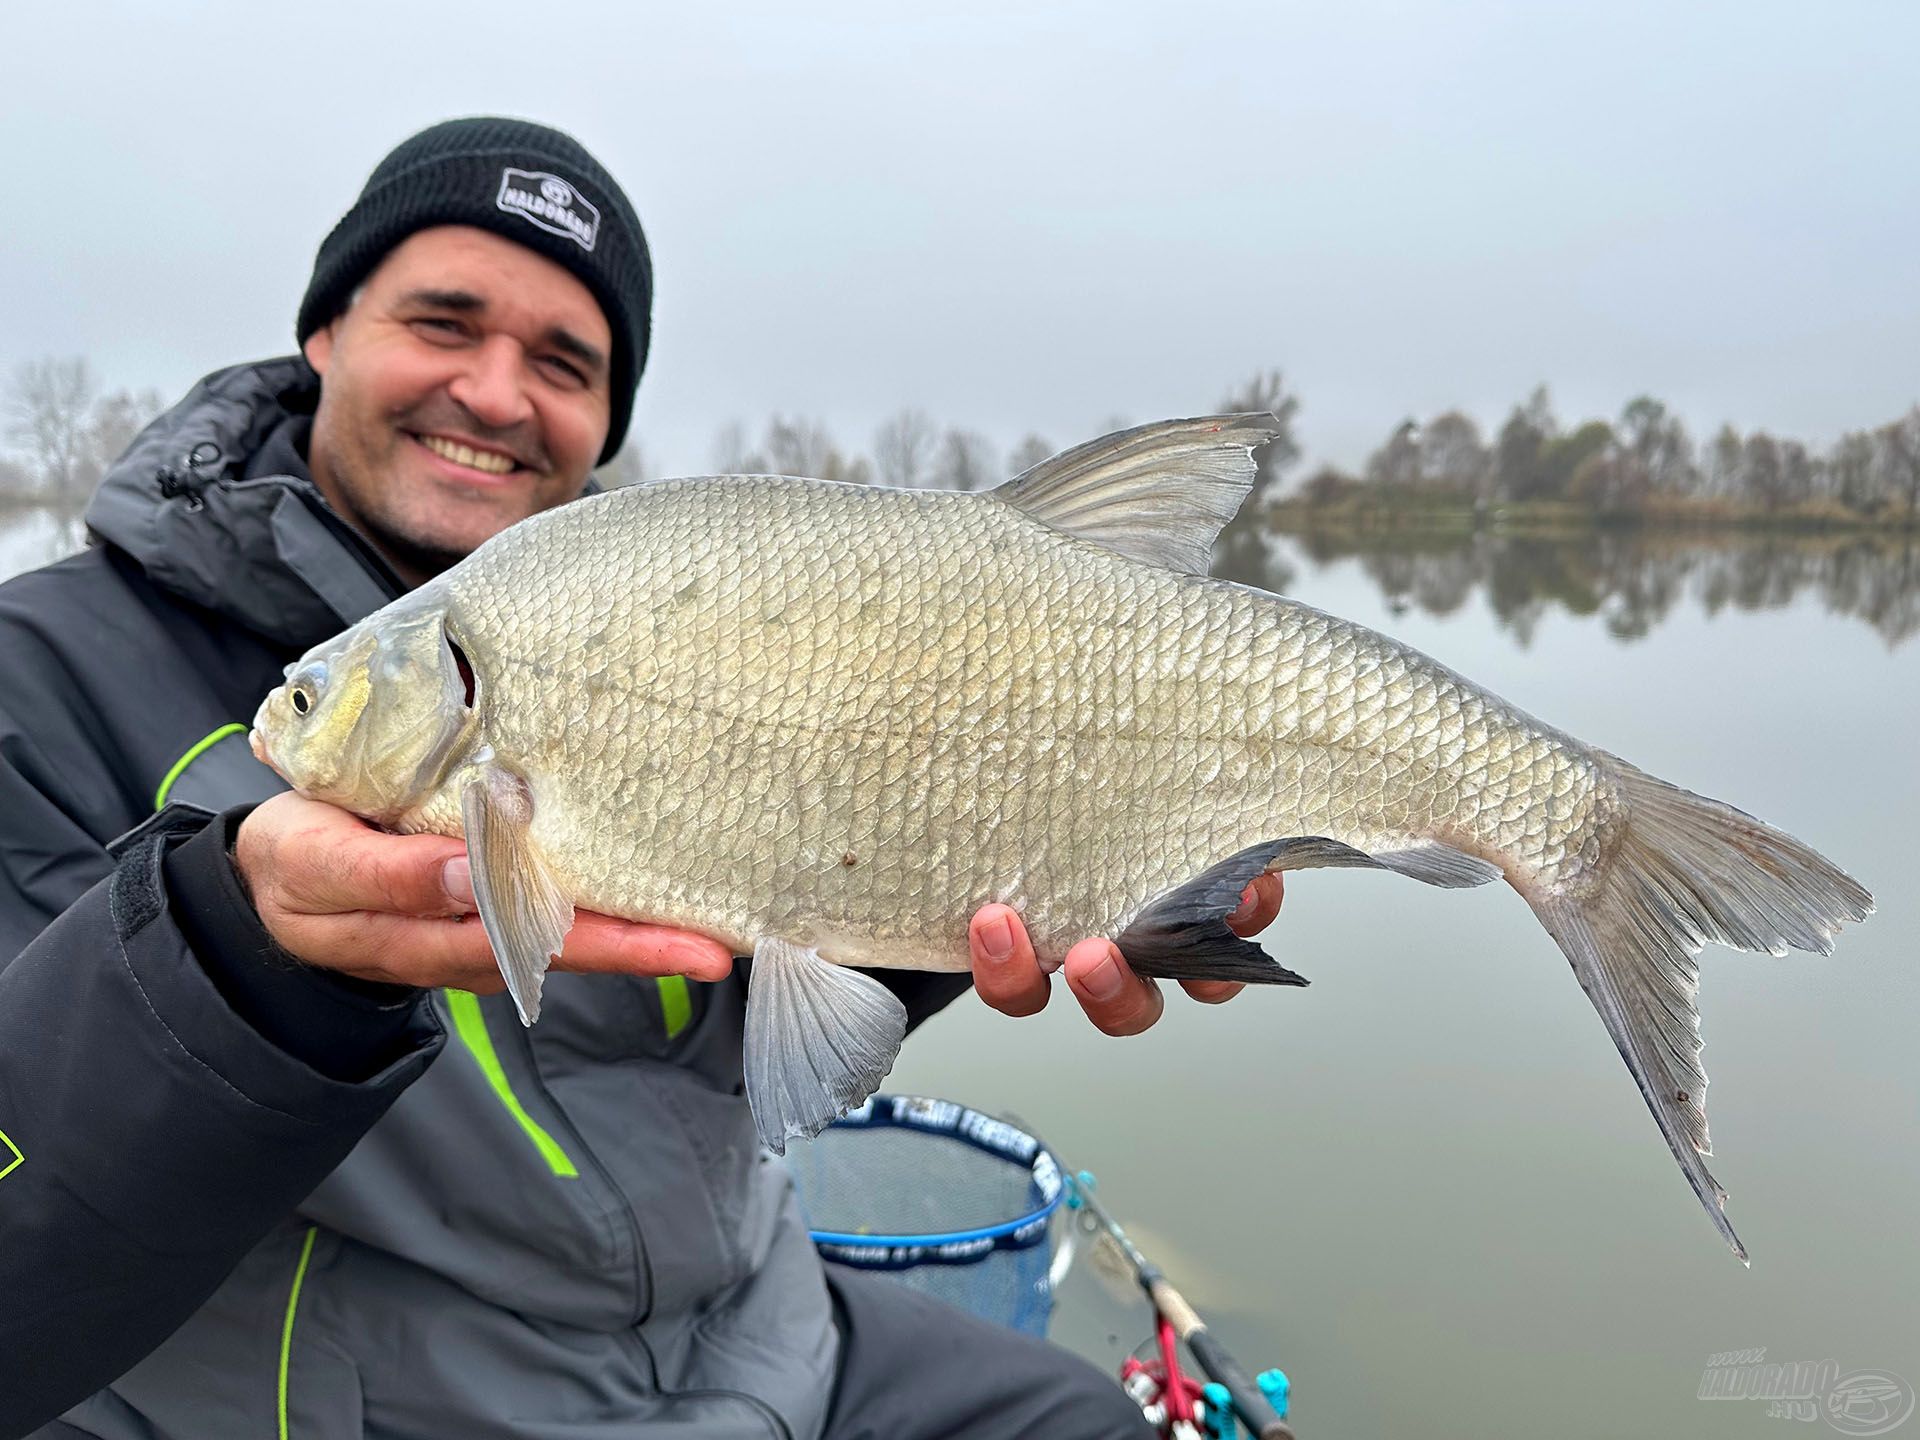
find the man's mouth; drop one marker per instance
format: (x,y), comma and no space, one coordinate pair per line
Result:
(487,462)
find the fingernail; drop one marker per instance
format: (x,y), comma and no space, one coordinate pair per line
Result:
(1242,914)
(996,938)
(686,956)
(1105,981)
(456,878)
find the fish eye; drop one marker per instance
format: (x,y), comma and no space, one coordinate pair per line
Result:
(301,701)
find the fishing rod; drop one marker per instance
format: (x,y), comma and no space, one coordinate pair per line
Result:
(1176,1316)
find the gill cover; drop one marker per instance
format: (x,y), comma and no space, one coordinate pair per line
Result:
(371,719)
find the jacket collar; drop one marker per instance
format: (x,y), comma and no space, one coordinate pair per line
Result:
(253,542)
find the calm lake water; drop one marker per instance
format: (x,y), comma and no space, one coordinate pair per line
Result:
(1426,1186)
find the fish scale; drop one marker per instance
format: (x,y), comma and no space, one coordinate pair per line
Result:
(758,673)
(825,723)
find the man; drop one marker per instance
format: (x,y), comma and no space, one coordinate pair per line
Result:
(242,1190)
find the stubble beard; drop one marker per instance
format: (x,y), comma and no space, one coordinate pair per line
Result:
(410,548)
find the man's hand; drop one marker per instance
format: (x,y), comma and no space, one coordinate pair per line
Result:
(1009,978)
(341,895)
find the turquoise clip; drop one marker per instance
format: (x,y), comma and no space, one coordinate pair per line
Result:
(1274,1385)
(1219,1411)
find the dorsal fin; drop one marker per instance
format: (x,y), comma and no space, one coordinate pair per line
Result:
(1158,493)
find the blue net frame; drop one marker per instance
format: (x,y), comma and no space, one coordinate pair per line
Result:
(954,1203)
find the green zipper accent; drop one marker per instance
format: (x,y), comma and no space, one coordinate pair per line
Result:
(13,1149)
(200,748)
(286,1329)
(471,1026)
(676,1003)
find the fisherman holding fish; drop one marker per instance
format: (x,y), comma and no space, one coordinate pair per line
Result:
(275,1150)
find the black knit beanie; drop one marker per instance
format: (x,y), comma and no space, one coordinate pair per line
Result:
(535,186)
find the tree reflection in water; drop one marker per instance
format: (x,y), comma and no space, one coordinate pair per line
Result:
(1629,579)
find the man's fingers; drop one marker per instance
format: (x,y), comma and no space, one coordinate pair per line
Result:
(1259,907)
(319,860)
(1116,999)
(1006,972)
(398,949)
(1212,992)
(601,944)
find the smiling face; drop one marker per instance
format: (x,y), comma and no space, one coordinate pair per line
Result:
(465,388)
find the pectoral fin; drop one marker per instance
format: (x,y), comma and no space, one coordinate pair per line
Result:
(820,1038)
(525,915)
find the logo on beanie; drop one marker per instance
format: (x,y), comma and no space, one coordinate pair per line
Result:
(551,203)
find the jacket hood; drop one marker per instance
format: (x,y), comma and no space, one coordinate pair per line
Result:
(267,551)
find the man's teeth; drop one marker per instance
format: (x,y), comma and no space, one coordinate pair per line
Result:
(460,454)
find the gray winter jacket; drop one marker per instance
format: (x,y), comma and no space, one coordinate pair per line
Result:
(568,1231)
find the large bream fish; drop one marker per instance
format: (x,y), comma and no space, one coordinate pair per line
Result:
(825,722)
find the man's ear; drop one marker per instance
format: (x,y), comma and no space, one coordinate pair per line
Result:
(319,347)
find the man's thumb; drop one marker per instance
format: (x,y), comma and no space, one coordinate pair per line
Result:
(456,878)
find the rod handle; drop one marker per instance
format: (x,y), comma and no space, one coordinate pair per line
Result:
(1254,1407)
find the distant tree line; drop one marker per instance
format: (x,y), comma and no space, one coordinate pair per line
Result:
(1642,463)
(911,450)
(62,429)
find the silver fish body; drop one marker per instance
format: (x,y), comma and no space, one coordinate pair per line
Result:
(851,716)
(825,722)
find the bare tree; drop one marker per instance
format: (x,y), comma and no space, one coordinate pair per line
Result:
(1240,550)
(730,453)
(1397,463)
(69,435)
(1726,464)
(1452,457)
(1561,457)
(48,409)
(903,448)
(1267,390)
(798,446)
(965,462)
(852,469)
(1030,452)
(1517,473)
(1658,447)
(118,417)
(16,483)
(1761,474)
(1851,473)
(1798,472)
(1900,459)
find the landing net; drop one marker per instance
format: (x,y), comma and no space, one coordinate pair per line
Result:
(954,1202)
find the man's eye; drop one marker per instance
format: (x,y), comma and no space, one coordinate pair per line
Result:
(566,370)
(440,325)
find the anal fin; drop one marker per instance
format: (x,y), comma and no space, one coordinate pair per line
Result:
(1183,934)
(525,915)
(820,1039)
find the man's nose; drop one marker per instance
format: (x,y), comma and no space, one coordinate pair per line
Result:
(490,385)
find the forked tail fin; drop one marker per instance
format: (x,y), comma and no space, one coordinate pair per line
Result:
(1682,871)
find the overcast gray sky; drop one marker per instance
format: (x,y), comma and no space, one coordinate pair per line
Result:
(1040,217)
